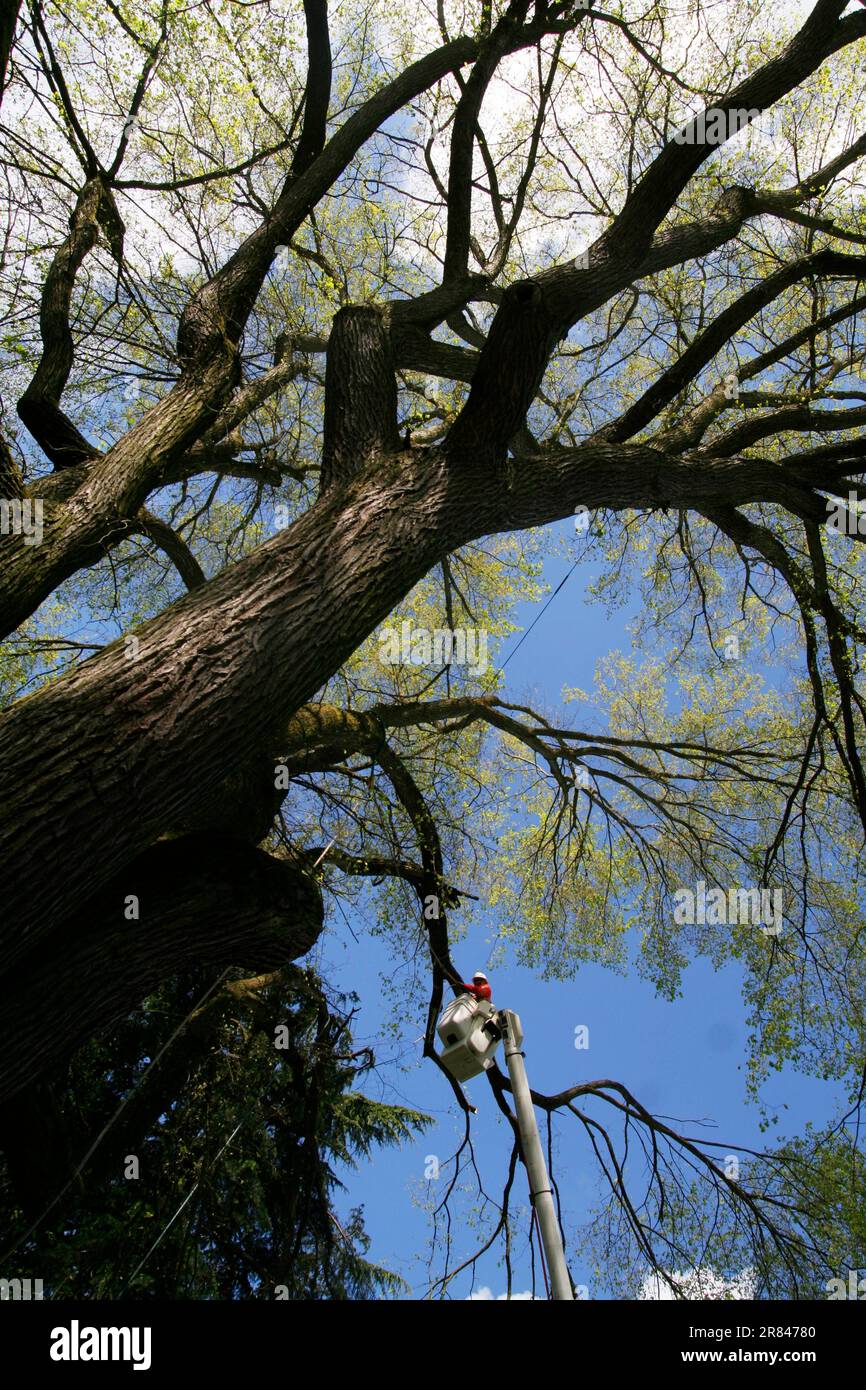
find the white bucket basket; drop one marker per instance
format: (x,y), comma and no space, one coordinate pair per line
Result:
(470,1033)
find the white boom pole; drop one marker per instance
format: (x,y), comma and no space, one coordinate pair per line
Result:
(540,1192)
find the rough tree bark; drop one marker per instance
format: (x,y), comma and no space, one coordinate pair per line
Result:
(199,899)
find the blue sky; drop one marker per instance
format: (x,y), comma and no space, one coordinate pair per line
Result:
(684,1059)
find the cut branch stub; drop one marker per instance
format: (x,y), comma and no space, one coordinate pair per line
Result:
(360,393)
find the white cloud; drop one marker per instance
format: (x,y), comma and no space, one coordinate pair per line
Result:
(487,1295)
(699,1284)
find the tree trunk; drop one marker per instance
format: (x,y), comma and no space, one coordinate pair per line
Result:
(99,766)
(126,748)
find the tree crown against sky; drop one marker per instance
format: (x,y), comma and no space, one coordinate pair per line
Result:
(313,320)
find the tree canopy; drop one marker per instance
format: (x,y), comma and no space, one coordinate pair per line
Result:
(316,322)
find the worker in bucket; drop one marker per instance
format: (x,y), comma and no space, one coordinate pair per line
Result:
(479,987)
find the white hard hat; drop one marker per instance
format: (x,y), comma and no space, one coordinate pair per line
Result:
(480,975)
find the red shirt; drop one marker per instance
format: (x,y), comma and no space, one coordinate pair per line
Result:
(481,991)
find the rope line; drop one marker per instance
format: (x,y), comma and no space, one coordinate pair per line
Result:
(171,1222)
(540,615)
(102,1133)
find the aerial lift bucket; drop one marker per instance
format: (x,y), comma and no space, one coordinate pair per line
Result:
(470,1031)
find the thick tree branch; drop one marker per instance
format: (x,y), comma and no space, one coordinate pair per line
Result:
(558,298)
(39,407)
(8,21)
(463,135)
(177,551)
(318,90)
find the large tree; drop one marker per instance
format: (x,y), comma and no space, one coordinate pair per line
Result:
(319,317)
